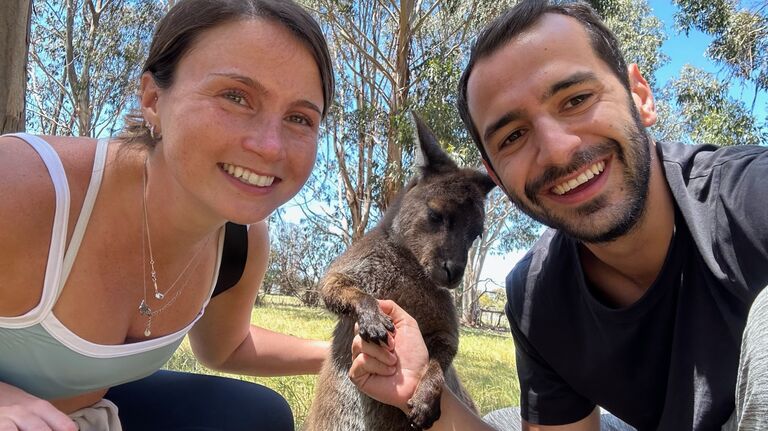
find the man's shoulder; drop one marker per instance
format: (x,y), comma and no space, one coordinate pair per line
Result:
(718,191)
(697,161)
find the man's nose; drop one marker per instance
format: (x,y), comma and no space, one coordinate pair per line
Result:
(556,142)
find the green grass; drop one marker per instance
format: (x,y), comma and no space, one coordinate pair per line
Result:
(486,360)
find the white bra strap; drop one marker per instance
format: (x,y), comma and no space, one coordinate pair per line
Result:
(58,233)
(99,161)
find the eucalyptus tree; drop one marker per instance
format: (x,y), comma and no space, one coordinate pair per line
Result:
(385,52)
(708,114)
(84,61)
(739,36)
(394,56)
(14,32)
(700,106)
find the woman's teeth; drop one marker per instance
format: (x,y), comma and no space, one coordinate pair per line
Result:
(589,173)
(247,176)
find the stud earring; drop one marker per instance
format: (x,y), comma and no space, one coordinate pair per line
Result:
(151,128)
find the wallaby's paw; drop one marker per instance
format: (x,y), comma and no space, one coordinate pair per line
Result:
(373,326)
(424,412)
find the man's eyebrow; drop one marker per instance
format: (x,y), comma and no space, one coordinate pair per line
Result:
(261,89)
(575,79)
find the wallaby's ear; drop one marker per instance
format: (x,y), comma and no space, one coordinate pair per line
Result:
(430,157)
(485,182)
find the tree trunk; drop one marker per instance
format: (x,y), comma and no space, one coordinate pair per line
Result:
(14,46)
(394,179)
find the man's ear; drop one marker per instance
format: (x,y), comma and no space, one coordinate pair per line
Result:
(492,173)
(642,95)
(148,94)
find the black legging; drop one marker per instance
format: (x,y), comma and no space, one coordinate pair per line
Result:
(176,401)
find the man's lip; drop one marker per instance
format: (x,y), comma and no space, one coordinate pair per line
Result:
(585,175)
(585,191)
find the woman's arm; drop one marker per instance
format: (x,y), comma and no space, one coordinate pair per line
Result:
(225,340)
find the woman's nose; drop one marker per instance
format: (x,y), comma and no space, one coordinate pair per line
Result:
(266,139)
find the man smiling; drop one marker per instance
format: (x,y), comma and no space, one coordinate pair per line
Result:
(637,297)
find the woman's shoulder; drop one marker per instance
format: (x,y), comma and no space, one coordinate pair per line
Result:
(27,191)
(25,178)
(28,204)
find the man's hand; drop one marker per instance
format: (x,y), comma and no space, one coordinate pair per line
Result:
(20,411)
(390,374)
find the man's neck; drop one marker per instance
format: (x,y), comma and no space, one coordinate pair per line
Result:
(622,270)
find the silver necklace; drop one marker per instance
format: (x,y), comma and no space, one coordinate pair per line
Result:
(144,308)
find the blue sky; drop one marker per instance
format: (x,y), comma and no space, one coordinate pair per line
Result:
(690,49)
(680,48)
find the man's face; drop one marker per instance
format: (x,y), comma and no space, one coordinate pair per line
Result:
(562,132)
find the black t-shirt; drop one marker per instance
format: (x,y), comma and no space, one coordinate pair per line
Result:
(668,361)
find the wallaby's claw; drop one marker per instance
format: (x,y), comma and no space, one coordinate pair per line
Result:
(424,413)
(374,326)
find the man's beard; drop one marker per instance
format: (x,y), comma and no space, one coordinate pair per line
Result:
(624,215)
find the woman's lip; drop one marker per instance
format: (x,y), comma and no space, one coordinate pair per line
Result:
(250,188)
(247,175)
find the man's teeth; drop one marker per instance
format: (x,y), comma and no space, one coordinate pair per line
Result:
(247,176)
(585,176)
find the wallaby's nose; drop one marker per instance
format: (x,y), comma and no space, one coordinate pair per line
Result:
(453,271)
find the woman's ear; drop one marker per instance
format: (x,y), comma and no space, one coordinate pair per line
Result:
(642,95)
(148,94)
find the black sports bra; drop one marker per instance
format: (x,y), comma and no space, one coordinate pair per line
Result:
(233,257)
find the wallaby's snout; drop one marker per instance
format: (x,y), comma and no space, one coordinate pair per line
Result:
(452,272)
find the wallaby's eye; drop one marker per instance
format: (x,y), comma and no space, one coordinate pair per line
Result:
(434,216)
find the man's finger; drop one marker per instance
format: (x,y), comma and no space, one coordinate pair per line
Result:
(367,364)
(384,354)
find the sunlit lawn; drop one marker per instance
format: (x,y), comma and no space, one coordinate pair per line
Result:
(486,360)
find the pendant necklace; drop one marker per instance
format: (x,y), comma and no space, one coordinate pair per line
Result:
(144,308)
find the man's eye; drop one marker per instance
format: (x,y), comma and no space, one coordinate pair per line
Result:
(512,138)
(576,101)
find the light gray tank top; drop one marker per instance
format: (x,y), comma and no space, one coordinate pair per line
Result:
(38,354)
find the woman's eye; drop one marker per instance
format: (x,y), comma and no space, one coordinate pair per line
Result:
(236,97)
(300,119)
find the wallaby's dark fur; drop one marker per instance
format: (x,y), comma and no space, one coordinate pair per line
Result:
(417,251)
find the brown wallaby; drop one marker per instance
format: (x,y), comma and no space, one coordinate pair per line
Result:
(417,251)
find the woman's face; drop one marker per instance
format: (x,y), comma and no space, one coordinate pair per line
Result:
(240,122)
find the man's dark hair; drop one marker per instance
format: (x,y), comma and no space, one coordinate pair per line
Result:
(522,17)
